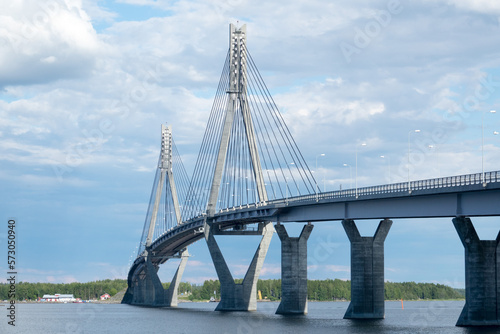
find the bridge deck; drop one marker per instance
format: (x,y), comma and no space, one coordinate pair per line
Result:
(463,195)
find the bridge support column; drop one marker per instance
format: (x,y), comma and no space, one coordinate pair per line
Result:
(138,291)
(146,288)
(238,297)
(482,277)
(172,292)
(154,293)
(367,271)
(293,271)
(129,294)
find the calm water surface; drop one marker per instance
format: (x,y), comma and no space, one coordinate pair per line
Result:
(323,317)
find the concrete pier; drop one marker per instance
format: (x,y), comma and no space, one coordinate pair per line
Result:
(293,271)
(238,297)
(367,271)
(136,295)
(171,293)
(482,277)
(146,288)
(154,294)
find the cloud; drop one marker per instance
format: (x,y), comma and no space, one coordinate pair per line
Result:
(319,103)
(34,275)
(329,268)
(481,6)
(270,269)
(108,271)
(195,263)
(43,42)
(198,279)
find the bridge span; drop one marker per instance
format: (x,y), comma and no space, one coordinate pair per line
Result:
(247,167)
(457,197)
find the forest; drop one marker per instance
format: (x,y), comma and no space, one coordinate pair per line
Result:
(86,291)
(331,290)
(318,290)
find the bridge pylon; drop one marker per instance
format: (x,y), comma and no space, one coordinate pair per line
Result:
(237,102)
(238,139)
(144,285)
(248,156)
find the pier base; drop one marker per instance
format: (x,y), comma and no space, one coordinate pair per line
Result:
(293,271)
(171,293)
(482,277)
(238,297)
(367,271)
(146,288)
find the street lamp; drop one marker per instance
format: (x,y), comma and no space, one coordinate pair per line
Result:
(234,200)
(286,190)
(389,164)
(356,179)
(350,174)
(409,150)
(482,145)
(319,155)
(435,147)
(291,176)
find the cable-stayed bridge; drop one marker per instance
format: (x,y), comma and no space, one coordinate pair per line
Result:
(250,175)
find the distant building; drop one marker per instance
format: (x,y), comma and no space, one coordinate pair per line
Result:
(58,298)
(105,296)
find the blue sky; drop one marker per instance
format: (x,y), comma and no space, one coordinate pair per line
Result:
(85,85)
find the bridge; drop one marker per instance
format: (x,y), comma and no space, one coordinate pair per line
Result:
(242,184)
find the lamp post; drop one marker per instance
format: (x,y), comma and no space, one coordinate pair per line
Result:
(319,155)
(350,174)
(356,178)
(435,148)
(389,164)
(291,175)
(234,199)
(286,190)
(482,146)
(409,150)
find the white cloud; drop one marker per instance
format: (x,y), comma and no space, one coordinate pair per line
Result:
(46,41)
(322,103)
(199,279)
(34,275)
(481,6)
(329,268)
(270,269)
(152,3)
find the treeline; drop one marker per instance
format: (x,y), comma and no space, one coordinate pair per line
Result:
(325,290)
(90,290)
(413,291)
(330,290)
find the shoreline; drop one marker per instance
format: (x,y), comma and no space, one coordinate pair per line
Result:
(101,302)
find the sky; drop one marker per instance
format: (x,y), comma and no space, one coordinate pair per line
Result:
(85,86)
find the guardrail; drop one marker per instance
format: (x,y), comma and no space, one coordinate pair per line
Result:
(437,183)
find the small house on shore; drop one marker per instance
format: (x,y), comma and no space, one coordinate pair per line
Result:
(105,296)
